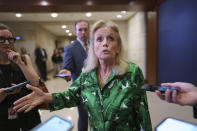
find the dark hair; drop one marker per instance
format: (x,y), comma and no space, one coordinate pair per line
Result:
(81,21)
(5,27)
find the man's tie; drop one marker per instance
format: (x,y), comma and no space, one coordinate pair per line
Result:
(86,46)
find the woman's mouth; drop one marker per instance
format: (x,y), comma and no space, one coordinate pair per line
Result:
(6,49)
(106,51)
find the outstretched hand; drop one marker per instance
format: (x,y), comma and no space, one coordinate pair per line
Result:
(30,101)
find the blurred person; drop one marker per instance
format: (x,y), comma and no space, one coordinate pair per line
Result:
(41,59)
(13,70)
(74,56)
(57,61)
(108,87)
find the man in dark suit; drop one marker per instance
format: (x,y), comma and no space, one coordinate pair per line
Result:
(74,56)
(41,58)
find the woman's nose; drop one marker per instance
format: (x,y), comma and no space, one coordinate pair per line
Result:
(6,42)
(105,42)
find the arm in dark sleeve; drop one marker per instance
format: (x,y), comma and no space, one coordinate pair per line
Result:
(68,62)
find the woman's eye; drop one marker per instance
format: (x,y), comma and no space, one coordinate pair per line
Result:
(111,38)
(99,39)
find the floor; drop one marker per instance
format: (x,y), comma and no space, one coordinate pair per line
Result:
(71,114)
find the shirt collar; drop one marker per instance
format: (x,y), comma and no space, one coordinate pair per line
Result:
(81,42)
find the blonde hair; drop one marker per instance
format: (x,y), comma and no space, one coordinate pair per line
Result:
(91,62)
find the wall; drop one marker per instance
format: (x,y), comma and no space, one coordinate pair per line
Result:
(47,41)
(123,30)
(136,46)
(62,41)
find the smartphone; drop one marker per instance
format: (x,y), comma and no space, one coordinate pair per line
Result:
(162,89)
(16,86)
(61,75)
(172,124)
(55,123)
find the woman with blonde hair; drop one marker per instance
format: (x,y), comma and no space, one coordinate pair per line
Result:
(108,87)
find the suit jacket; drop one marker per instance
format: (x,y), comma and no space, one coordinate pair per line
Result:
(74,56)
(39,56)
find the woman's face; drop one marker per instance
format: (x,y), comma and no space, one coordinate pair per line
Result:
(5,46)
(106,45)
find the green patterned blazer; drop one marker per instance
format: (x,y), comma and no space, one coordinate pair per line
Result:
(119,106)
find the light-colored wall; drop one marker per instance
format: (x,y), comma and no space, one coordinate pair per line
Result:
(136,48)
(47,41)
(62,41)
(123,30)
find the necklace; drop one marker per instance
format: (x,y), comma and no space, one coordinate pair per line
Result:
(102,78)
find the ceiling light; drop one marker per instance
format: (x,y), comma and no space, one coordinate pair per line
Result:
(63,26)
(67,31)
(44,3)
(89,3)
(69,34)
(18,15)
(123,12)
(89,14)
(54,15)
(119,16)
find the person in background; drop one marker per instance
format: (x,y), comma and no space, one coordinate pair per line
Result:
(187,95)
(14,70)
(108,87)
(57,61)
(74,56)
(41,59)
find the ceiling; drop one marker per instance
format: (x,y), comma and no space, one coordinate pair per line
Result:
(54,24)
(70,11)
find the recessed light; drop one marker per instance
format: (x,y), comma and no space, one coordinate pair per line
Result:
(89,3)
(44,3)
(67,31)
(119,16)
(123,12)
(69,34)
(18,15)
(88,14)
(54,15)
(63,26)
